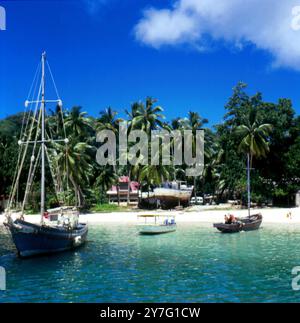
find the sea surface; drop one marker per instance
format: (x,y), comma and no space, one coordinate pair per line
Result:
(193,264)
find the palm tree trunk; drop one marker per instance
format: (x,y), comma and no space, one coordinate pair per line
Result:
(75,190)
(128,191)
(118,192)
(81,196)
(118,186)
(195,193)
(203,196)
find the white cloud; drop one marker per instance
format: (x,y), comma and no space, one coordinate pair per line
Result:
(265,23)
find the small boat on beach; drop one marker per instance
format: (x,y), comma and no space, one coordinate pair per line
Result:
(241,224)
(58,229)
(158,227)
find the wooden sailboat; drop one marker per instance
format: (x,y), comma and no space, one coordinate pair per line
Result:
(46,237)
(250,223)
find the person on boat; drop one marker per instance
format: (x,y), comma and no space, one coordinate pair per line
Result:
(46,215)
(230,219)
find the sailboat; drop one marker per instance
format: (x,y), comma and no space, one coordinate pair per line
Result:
(47,236)
(249,223)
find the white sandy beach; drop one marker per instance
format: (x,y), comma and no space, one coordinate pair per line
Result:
(270,215)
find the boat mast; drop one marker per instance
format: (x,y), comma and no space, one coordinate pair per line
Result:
(43,140)
(248,183)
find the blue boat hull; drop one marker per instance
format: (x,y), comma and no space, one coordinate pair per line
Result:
(31,239)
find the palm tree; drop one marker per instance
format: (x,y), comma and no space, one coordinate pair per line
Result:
(106,179)
(74,161)
(154,174)
(135,107)
(254,143)
(194,122)
(77,123)
(212,167)
(147,117)
(55,122)
(108,121)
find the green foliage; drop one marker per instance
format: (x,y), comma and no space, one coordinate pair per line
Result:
(108,208)
(270,132)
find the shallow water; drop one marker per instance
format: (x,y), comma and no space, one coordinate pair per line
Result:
(194,264)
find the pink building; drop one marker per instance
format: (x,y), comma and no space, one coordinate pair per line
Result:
(123,191)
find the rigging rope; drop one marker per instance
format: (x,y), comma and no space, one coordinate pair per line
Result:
(52,79)
(13,192)
(32,160)
(29,106)
(35,118)
(26,113)
(30,180)
(63,123)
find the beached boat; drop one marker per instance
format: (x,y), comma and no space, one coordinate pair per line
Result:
(241,224)
(158,227)
(173,194)
(48,236)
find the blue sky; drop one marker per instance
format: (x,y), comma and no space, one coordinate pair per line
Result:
(114,52)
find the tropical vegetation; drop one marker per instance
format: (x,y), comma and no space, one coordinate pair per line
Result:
(267,133)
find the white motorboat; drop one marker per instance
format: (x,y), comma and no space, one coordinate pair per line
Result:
(157,225)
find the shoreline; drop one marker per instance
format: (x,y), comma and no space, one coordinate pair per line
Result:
(270,215)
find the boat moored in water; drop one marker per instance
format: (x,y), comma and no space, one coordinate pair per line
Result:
(240,224)
(158,227)
(59,229)
(250,223)
(65,233)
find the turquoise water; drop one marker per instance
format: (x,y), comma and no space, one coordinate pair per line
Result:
(194,264)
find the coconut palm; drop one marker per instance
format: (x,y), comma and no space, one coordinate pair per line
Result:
(55,122)
(147,117)
(108,121)
(254,134)
(74,161)
(77,124)
(135,107)
(106,178)
(154,174)
(212,168)
(193,122)
(253,142)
